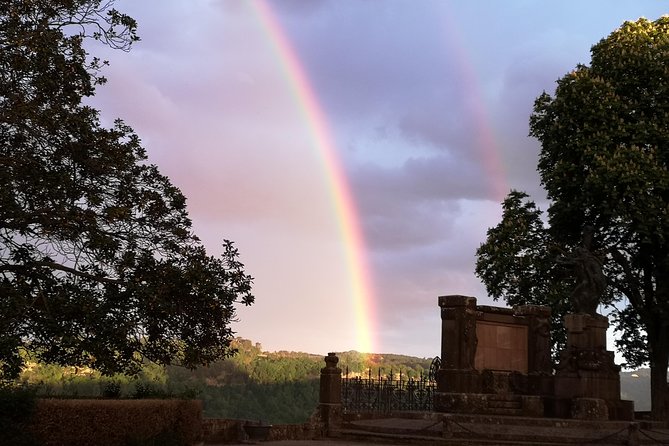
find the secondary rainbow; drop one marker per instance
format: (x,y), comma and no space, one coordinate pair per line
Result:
(484,134)
(344,204)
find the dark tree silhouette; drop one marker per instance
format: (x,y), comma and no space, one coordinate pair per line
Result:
(98,263)
(604,162)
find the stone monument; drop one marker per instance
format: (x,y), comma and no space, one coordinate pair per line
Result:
(497,361)
(587,380)
(493,360)
(587,268)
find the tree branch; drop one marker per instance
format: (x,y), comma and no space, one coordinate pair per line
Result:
(632,292)
(59,267)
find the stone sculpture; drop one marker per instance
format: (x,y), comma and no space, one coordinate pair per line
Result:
(590,279)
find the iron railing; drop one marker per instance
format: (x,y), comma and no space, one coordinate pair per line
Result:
(389,393)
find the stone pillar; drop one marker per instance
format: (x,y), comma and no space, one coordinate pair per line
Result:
(330,406)
(458,332)
(539,346)
(538,337)
(458,345)
(587,370)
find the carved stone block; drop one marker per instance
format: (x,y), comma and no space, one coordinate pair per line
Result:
(589,409)
(532,406)
(460,403)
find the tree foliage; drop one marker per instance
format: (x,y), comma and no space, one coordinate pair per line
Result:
(275,387)
(98,262)
(518,263)
(604,162)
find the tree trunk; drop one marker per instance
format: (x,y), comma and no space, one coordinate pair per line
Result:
(659,361)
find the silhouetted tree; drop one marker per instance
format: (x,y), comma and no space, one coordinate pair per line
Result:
(98,263)
(518,263)
(604,162)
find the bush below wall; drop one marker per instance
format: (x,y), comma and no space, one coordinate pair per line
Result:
(59,422)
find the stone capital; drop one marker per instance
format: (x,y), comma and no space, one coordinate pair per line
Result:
(456,300)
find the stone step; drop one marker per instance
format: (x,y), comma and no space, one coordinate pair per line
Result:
(495,397)
(505,411)
(486,419)
(398,426)
(476,439)
(490,429)
(378,437)
(501,404)
(509,405)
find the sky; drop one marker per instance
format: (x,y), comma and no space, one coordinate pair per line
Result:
(356,151)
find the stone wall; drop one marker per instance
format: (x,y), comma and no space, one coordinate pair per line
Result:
(479,337)
(501,346)
(219,430)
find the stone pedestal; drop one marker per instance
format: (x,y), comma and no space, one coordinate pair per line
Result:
(587,378)
(586,331)
(458,345)
(586,368)
(493,358)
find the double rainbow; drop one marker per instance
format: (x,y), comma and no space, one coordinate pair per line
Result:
(361,287)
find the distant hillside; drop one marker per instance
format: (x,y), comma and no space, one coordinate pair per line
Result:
(635,386)
(276,387)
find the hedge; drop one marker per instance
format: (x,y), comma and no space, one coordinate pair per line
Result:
(65,422)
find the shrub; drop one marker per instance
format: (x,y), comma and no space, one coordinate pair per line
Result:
(17,406)
(111,389)
(109,422)
(145,390)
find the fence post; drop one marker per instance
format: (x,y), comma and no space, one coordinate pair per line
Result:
(330,396)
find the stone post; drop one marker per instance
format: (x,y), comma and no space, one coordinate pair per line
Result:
(458,345)
(458,332)
(330,406)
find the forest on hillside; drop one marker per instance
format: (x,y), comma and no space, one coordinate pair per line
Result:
(274,387)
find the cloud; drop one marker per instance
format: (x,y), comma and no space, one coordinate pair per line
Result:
(428,103)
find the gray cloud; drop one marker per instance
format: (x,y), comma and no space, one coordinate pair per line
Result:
(428,103)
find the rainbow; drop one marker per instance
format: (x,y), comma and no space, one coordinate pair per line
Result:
(485,138)
(344,204)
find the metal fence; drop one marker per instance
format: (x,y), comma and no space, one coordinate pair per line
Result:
(389,393)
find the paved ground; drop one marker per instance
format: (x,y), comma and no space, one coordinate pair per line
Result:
(406,430)
(313,443)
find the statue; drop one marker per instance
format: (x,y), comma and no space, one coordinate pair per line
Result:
(590,279)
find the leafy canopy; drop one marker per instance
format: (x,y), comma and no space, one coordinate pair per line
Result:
(604,163)
(98,262)
(518,263)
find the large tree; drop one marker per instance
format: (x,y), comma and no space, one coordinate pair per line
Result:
(518,263)
(604,163)
(99,266)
